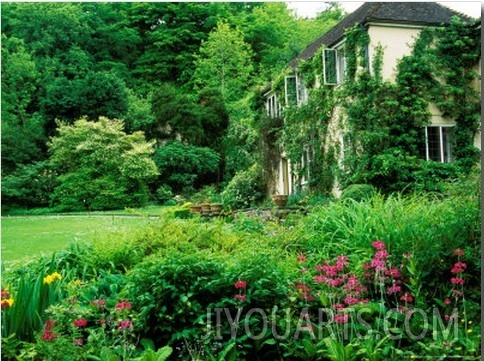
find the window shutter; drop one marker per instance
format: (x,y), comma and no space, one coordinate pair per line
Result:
(329,67)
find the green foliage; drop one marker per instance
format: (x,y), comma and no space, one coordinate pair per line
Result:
(29,186)
(358,192)
(100,166)
(186,167)
(32,293)
(244,189)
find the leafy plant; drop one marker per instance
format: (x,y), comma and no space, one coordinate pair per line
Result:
(244,189)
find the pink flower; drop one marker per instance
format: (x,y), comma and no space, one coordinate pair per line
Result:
(407,297)
(394,272)
(334,282)
(456,293)
(80,322)
(339,318)
(378,245)
(48,335)
(341,262)
(78,342)
(339,306)
(378,264)
(123,325)
(458,252)
(240,297)
(393,289)
(101,303)
(383,254)
(301,257)
(240,284)
(448,301)
(350,300)
(457,280)
(123,305)
(49,324)
(320,278)
(459,267)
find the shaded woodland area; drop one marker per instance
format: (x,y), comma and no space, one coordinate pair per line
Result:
(185,74)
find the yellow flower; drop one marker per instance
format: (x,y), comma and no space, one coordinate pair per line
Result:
(469,330)
(51,278)
(470,322)
(10,301)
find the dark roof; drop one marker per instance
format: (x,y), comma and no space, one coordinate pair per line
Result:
(405,13)
(408,13)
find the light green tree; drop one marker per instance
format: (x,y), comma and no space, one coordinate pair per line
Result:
(100,166)
(224,63)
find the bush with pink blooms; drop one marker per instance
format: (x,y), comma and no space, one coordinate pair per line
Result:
(383,279)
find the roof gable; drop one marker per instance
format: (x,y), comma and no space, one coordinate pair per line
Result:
(405,13)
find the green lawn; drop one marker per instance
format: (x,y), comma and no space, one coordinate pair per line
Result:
(33,235)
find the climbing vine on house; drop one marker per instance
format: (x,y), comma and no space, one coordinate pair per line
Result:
(305,132)
(384,140)
(384,120)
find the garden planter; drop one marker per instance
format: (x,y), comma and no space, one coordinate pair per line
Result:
(279,200)
(215,208)
(206,209)
(195,209)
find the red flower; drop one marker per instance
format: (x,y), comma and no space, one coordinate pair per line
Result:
(240,297)
(4,304)
(123,305)
(5,293)
(458,252)
(394,288)
(459,267)
(80,322)
(48,335)
(240,284)
(394,272)
(407,297)
(123,325)
(457,280)
(301,257)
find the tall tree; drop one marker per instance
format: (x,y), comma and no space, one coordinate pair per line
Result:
(224,63)
(22,130)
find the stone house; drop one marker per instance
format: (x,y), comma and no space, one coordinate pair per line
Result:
(390,30)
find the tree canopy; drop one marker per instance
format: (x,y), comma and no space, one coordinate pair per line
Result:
(175,71)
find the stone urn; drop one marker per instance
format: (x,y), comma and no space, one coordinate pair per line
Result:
(279,200)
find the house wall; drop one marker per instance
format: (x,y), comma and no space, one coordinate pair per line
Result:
(386,35)
(396,42)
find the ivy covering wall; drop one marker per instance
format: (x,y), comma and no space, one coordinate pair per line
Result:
(382,122)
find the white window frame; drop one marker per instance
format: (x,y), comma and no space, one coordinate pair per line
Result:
(445,145)
(273,107)
(339,62)
(301,91)
(306,160)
